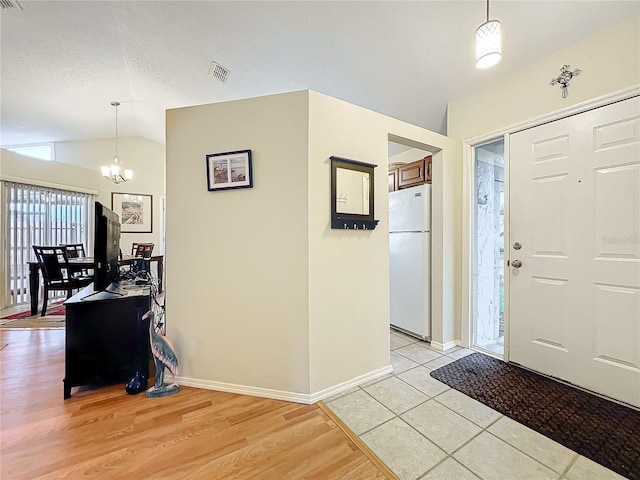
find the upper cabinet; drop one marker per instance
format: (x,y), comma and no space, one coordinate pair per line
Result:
(393,179)
(410,174)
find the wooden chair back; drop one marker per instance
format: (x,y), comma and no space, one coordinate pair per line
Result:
(142,249)
(53,263)
(74,250)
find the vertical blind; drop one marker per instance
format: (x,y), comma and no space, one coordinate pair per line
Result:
(35,215)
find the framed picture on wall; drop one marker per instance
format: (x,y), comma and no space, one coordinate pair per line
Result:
(229,170)
(135,211)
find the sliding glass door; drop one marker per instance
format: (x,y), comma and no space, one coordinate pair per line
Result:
(34,215)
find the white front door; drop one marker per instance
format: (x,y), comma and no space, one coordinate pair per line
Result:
(575,211)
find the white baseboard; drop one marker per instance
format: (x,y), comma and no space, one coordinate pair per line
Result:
(281,394)
(441,347)
(341,387)
(245,390)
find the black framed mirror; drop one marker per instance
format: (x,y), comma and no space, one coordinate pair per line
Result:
(352,195)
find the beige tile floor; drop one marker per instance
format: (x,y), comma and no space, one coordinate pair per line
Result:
(424,430)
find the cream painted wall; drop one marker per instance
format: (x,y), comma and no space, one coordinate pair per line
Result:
(610,61)
(408,156)
(349,270)
(59,174)
(237,260)
(278,300)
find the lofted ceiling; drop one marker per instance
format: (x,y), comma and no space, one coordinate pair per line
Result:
(63,62)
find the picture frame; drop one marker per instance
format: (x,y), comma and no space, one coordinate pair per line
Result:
(229,170)
(135,211)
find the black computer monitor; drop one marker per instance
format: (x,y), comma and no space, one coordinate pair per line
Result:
(106,248)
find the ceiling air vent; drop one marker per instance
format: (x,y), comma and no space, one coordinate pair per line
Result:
(215,70)
(10,4)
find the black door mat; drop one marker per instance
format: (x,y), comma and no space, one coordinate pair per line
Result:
(604,431)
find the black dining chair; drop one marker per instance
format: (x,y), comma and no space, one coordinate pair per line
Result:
(142,249)
(76,250)
(56,273)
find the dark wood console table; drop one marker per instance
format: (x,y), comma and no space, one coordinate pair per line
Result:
(103,334)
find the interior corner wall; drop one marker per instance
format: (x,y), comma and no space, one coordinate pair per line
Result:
(348,269)
(237,260)
(609,60)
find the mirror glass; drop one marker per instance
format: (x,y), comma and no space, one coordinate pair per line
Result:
(352,191)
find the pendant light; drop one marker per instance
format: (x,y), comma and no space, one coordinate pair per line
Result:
(488,43)
(115,172)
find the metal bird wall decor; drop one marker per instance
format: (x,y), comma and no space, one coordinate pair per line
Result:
(563,79)
(164,357)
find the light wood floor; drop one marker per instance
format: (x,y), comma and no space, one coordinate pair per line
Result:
(105,433)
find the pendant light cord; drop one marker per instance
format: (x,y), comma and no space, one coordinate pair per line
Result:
(115,104)
(487,15)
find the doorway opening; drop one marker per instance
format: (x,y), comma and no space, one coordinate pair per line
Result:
(410,240)
(489,241)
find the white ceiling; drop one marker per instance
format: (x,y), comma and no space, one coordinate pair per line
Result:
(63,62)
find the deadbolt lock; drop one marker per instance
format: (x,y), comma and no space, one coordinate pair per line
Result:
(517,246)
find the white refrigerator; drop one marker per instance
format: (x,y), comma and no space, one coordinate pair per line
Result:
(410,260)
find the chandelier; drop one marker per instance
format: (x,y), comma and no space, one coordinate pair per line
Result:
(115,172)
(488,43)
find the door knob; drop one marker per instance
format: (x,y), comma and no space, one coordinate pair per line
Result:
(516,263)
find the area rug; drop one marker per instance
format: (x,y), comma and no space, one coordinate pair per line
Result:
(34,322)
(54,309)
(53,319)
(604,431)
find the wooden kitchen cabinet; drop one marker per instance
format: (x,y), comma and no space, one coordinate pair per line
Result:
(393,179)
(427,169)
(410,174)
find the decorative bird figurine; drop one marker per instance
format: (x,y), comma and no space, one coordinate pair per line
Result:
(164,357)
